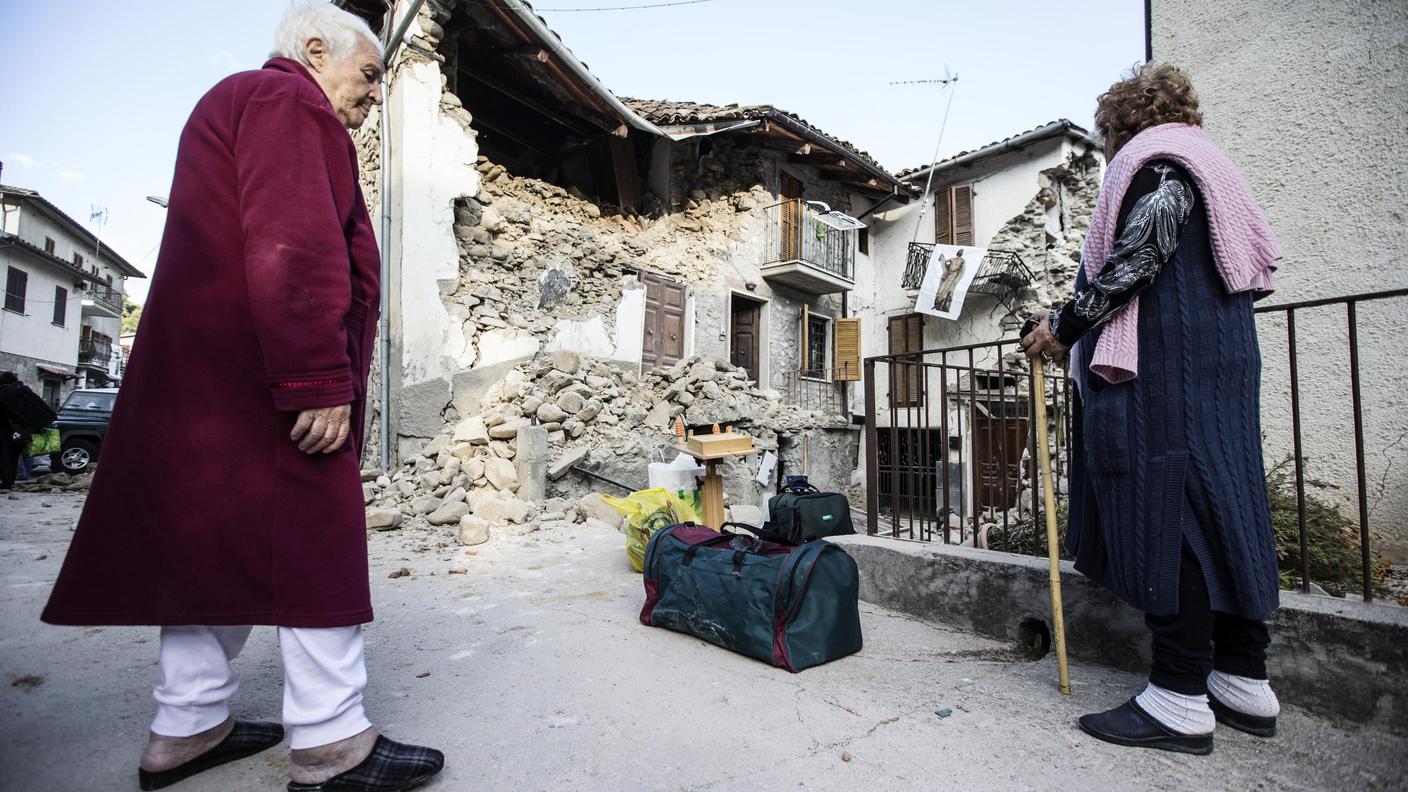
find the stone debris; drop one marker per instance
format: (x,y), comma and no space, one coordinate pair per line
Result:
(596,414)
(53,483)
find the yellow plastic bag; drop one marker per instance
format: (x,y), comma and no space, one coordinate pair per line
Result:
(646,512)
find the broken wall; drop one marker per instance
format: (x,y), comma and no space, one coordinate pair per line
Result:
(492,271)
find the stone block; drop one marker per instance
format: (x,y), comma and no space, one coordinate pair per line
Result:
(473,531)
(566,462)
(501,473)
(448,513)
(383,519)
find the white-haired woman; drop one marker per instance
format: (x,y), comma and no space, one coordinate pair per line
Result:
(229,492)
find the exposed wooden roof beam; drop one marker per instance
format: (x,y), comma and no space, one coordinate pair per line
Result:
(573,124)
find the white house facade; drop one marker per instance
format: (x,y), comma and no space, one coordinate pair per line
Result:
(62,314)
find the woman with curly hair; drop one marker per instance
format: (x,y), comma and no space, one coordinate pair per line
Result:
(1168,504)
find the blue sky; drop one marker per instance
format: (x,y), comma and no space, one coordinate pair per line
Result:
(98,91)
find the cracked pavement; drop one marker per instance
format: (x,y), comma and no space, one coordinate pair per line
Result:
(532,672)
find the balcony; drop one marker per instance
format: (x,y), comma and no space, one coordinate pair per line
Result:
(810,248)
(95,353)
(100,300)
(1001,274)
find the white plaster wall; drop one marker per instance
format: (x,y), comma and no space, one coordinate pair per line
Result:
(1002,188)
(621,343)
(1313,113)
(433,160)
(33,334)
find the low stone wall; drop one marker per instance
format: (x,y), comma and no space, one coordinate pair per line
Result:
(1336,658)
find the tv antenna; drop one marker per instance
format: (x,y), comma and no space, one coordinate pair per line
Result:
(99,215)
(949,81)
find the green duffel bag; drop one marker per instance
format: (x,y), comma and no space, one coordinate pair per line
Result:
(801,513)
(793,607)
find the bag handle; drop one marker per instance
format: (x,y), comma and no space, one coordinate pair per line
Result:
(710,542)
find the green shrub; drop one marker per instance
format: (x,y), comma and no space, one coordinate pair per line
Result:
(1331,537)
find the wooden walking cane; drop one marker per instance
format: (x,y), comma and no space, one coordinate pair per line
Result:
(1053,554)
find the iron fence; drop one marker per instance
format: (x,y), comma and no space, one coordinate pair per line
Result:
(818,390)
(949,444)
(950,453)
(1290,311)
(796,232)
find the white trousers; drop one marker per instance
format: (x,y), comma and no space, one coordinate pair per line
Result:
(324,675)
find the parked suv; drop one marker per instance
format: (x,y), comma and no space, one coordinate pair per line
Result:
(83,423)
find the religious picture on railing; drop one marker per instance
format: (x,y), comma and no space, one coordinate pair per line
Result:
(946,280)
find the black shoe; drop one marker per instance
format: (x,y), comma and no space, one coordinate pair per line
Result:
(390,767)
(1251,724)
(245,739)
(1129,724)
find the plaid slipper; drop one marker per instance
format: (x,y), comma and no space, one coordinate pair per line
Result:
(390,767)
(245,739)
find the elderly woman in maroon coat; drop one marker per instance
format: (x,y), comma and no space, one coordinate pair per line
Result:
(229,490)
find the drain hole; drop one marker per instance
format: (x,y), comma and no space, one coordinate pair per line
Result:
(1033,638)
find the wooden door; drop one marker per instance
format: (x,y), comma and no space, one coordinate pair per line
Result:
(744,333)
(791,218)
(998,444)
(664,321)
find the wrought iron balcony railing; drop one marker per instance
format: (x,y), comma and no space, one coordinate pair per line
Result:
(1001,274)
(94,352)
(798,232)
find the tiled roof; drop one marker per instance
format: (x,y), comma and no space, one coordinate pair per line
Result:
(59,214)
(998,146)
(664,112)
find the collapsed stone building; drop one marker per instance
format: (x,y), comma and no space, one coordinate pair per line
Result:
(602,267)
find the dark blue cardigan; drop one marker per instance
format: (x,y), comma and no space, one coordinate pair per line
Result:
(1175,454)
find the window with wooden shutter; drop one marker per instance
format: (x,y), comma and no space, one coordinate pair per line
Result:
(16,284)
(963,215)
(906,335)
(848,350)
(943,218)
(60,305)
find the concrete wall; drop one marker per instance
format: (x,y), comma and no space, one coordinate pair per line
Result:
(1309,99)
(1338,659)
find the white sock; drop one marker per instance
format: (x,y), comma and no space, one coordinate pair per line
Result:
(1177,712)
(1244,694)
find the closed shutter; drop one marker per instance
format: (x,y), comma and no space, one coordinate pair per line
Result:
(848,350)
(791,218)
(806,338)
(963,215)
(943,218)
(906,335)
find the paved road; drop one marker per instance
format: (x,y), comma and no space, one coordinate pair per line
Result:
(533,673)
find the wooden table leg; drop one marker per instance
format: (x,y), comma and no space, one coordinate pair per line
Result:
(712,496)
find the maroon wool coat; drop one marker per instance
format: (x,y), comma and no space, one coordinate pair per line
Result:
(264,303)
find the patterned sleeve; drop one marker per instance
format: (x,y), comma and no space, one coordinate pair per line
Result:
(1146,243)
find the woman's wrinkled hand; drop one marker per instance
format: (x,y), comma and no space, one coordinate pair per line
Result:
(322,430)
(1041,342)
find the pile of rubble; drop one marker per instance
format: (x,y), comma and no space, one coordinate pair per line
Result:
(593,413)
(53,483)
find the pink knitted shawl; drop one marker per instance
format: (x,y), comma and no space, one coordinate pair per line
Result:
(1243,247)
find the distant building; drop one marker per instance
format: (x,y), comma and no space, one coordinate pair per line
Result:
(62,312)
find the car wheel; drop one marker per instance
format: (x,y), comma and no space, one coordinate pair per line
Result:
(77,456)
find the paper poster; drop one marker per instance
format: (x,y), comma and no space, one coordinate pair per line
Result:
(946,280)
